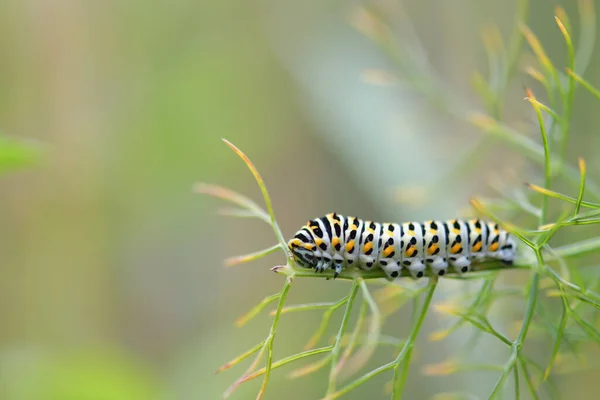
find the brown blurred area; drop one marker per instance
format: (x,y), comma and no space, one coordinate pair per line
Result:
(112,280)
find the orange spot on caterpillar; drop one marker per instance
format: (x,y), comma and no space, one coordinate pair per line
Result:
(409,251)
(350,246)
(388,250)
(432,249)
(368,246)
(476,247)
(456,248)
(494,247)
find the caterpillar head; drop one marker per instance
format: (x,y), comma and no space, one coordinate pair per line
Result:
(303,249)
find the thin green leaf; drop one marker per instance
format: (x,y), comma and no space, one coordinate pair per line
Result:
(556,195)
(325,323)
(230,262)
(233,197)
(584,83)
(263,189)
(243,320)
(337,348)
(290,359)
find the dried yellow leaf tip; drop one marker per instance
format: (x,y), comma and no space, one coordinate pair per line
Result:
(367,23)
(587,11)
(492,39)
(308,369)
(447,308)
(530,95)
(439,335)
(379,77)
(443,368)
(553,293)
(539,189)
(477,204)
(411,195)
(559,13)
(563,30)
(581,165)
(546,227)
(482,121)
(388,292)
(535,74)
(536,46)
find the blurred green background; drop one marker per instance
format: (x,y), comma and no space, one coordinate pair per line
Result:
(113,285)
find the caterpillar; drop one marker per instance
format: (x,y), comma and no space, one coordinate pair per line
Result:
(337,242)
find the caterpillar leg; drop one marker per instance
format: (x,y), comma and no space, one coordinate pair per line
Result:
(417,269)
(460,264)
(392,270)
(322,265)
(338,266)
(439,266)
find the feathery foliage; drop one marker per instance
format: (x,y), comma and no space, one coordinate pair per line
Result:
(564,197)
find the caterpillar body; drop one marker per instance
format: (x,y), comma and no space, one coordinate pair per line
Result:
(337,242)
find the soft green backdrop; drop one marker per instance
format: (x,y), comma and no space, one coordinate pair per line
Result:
(112,284)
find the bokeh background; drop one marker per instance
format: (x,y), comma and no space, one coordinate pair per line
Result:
(112,280)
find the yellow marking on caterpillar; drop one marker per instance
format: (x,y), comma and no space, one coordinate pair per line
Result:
(335,241)
(350,246)
(432,249)
(368,246)
(409,251)
(476,247)
(456,248)
(388,250)
(456,231)
(494,247)
(318,241)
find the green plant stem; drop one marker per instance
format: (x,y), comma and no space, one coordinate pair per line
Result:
(335,353)
(547,166)
(517,386)
(528,381)
(518,343)
(409,344)
(270,339)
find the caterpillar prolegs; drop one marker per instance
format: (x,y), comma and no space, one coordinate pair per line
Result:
(337,242)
